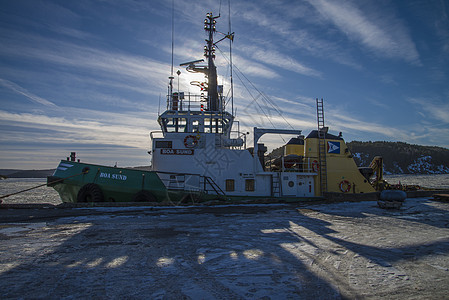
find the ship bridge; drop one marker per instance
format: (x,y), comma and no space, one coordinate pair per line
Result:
(188,114)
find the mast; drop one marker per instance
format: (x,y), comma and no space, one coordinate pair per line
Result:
(209,53)
(171,77)
(230,58)
(207,113)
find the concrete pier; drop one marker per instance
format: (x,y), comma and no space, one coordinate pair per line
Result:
(352,250)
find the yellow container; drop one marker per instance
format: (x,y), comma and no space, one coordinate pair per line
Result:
(294,149)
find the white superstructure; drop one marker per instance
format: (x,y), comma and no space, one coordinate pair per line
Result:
(197,141)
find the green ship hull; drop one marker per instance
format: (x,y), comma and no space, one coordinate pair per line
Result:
(82,182)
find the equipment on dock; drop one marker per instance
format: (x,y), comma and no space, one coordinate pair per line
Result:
(391,199)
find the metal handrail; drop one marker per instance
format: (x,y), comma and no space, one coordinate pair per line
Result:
(175,184)
(213,185)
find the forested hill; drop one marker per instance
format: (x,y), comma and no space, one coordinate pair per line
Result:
(402,158)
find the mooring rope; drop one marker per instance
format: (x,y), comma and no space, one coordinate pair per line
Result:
(41,185)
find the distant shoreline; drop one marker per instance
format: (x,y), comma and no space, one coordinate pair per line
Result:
(12,173)
(17,173)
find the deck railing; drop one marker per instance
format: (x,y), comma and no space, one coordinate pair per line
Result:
(190,102)
(190,183)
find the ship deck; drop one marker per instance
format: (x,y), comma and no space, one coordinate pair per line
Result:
(279,251)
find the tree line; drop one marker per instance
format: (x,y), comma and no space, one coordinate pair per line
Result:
(402,158)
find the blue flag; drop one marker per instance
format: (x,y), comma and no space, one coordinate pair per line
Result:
(333,147)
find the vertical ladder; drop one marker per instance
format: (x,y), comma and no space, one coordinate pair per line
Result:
(322,149)
(276,184)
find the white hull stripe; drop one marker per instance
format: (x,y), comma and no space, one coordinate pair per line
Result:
(65,165)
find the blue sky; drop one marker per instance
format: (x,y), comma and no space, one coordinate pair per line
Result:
(88,76)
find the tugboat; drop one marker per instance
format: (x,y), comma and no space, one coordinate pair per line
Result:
(197,156)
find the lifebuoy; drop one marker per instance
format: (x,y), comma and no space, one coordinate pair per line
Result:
(90,193)
(343,184)
(190,141)
(315,166)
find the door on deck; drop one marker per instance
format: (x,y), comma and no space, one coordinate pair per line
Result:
(304,186)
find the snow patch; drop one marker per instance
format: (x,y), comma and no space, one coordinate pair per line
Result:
(424,165)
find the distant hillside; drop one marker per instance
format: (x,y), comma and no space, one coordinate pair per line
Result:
(9,173)
(402,158)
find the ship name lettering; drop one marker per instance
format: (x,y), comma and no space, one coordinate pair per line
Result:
(105,175)
(177,151)
(113,176)
(119,177)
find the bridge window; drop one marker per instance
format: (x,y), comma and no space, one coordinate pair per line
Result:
(196,126)
(174,124)
(213,125)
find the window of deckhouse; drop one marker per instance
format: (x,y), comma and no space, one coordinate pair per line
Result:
(249,185)
(213,125)
(196,126)
(230,185)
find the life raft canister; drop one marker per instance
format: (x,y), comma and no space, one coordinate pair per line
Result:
(345,186)
(190,141)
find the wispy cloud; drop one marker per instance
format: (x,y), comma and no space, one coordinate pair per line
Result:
(20,90)
(96,128)
(277,59)
(290,35)
(342,121)
(378,31)
(436,110)
(105,63)
(248,67)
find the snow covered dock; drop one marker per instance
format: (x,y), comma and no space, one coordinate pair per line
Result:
(325,251)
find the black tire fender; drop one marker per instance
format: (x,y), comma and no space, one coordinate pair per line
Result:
(144,196)
(90,192)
